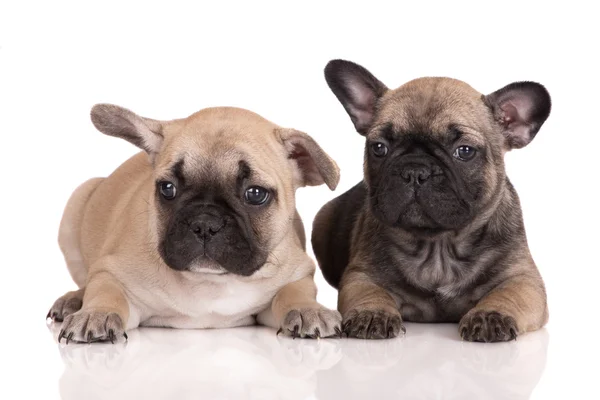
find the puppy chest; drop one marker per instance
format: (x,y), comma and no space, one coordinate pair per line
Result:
(435,267)
(206,305)
(227,299)
(234,299)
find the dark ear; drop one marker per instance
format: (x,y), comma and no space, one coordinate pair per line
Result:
(117,121)
(357,89)
(520,108)
(314,166)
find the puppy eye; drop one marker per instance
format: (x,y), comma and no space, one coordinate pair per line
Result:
(464,153)
(379,149)
(256,195)
(167,190)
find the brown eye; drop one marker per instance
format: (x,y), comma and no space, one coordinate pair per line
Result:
(379,149)
(256,195)
(167,190)
(465,153)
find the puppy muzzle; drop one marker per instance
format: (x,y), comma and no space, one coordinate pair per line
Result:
(415,193)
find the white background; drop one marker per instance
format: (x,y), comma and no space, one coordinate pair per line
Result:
(58,59)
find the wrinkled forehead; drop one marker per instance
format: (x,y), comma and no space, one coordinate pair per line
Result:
(218,166)
(433,107)
(227,146)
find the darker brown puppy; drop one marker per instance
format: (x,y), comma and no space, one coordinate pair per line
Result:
(434,233)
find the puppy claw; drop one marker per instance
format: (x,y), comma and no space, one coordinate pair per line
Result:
(53,315)
(66,305)
(487,326)
(476,332)
(338,332)
(61,334)
(347,325)
(360,330)
(373,324)
(311,322)
(279,331)
(390,332)
(89,326)
(125,336)
(498,331)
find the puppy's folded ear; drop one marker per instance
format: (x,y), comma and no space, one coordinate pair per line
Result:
(357,89)
(313,166)
(117,121)
(520,108)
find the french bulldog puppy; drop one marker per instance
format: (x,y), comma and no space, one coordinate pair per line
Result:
(200,231)
(434,232)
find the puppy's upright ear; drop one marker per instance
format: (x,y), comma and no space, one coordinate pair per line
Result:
(145,133)
(357,89)
(520,108)
(313,166)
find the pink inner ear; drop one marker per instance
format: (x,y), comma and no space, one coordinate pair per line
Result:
(515,115)
(362,94)
(297,152)
(306,164)
(361,108)
(510,114)
(516,109)
(520,108)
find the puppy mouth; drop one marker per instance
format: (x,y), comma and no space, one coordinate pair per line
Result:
(207,266)
(420,215)
(415,215)
(204,270)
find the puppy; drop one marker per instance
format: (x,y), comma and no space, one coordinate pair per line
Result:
(434,232)
(200,232)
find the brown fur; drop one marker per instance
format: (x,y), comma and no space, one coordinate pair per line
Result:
(480,273)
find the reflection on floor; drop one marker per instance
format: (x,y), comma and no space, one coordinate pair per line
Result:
(252,363)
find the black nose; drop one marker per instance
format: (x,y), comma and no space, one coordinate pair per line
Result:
(415,173)
(206,225)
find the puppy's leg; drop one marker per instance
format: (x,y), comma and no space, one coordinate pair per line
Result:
(368,310)
(68,239)
(69,233)
(66,305)
(516,306)
(295,312)
(104,313)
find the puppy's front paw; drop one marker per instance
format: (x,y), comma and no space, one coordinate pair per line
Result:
(87,326)
(487,326)
(372,324)
(311,323)
(66,305)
